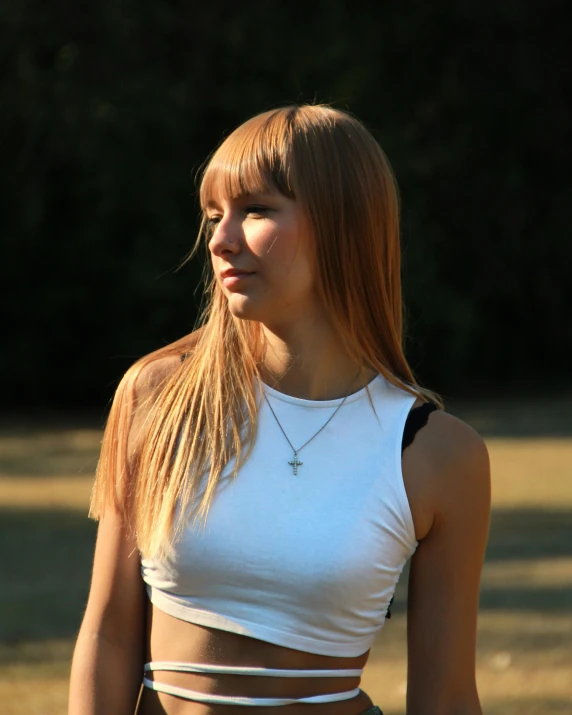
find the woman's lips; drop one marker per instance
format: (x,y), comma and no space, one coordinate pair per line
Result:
(234,278)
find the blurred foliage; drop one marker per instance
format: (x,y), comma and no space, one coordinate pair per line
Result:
(109,108)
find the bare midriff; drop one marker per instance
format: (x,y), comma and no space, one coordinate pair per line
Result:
(171,639)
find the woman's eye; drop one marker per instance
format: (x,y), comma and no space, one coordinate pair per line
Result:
(212,220)
(257,210)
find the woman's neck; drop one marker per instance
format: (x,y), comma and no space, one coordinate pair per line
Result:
(309,361)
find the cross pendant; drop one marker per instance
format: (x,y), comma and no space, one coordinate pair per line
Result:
(295,463)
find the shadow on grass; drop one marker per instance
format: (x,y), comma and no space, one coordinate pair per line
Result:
(47,557)
(529,533)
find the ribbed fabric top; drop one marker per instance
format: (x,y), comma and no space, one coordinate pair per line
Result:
(307,561)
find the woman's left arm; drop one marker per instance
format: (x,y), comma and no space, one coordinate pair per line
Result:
(445,571)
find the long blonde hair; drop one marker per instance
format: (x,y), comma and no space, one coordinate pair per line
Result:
(201,413)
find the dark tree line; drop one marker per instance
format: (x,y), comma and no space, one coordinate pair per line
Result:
(108,109)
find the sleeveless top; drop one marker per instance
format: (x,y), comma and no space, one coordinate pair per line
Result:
(308,560)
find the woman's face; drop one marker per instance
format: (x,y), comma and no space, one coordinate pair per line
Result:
(260,251)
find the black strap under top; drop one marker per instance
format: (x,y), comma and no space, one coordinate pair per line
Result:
(416,419)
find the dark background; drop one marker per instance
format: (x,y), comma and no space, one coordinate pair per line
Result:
(108,109)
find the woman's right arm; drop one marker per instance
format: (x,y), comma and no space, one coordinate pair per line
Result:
(107,666)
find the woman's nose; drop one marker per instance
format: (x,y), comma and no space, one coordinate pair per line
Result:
(225,237)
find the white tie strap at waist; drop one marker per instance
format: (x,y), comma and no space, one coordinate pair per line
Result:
(242,670)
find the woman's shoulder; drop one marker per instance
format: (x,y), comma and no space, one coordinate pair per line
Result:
(151,372)
(449,442)
(446,469)
(143,383)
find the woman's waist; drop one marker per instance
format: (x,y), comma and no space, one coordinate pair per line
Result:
(174,640)
(213,661)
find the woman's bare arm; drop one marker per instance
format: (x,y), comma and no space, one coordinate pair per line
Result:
(446,569)
(107,665)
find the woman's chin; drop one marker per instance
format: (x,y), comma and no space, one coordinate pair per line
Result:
(242,307)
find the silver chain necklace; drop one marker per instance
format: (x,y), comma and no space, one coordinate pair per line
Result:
(295,463)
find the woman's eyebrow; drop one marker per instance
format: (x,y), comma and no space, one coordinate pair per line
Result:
(251,195)
(246,196)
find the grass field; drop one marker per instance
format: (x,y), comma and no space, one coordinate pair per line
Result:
(524,660)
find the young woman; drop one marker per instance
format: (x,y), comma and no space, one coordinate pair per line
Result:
(263,481)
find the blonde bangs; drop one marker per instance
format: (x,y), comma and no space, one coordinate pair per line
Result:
(255,158)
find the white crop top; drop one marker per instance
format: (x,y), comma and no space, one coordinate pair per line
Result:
(307,561)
